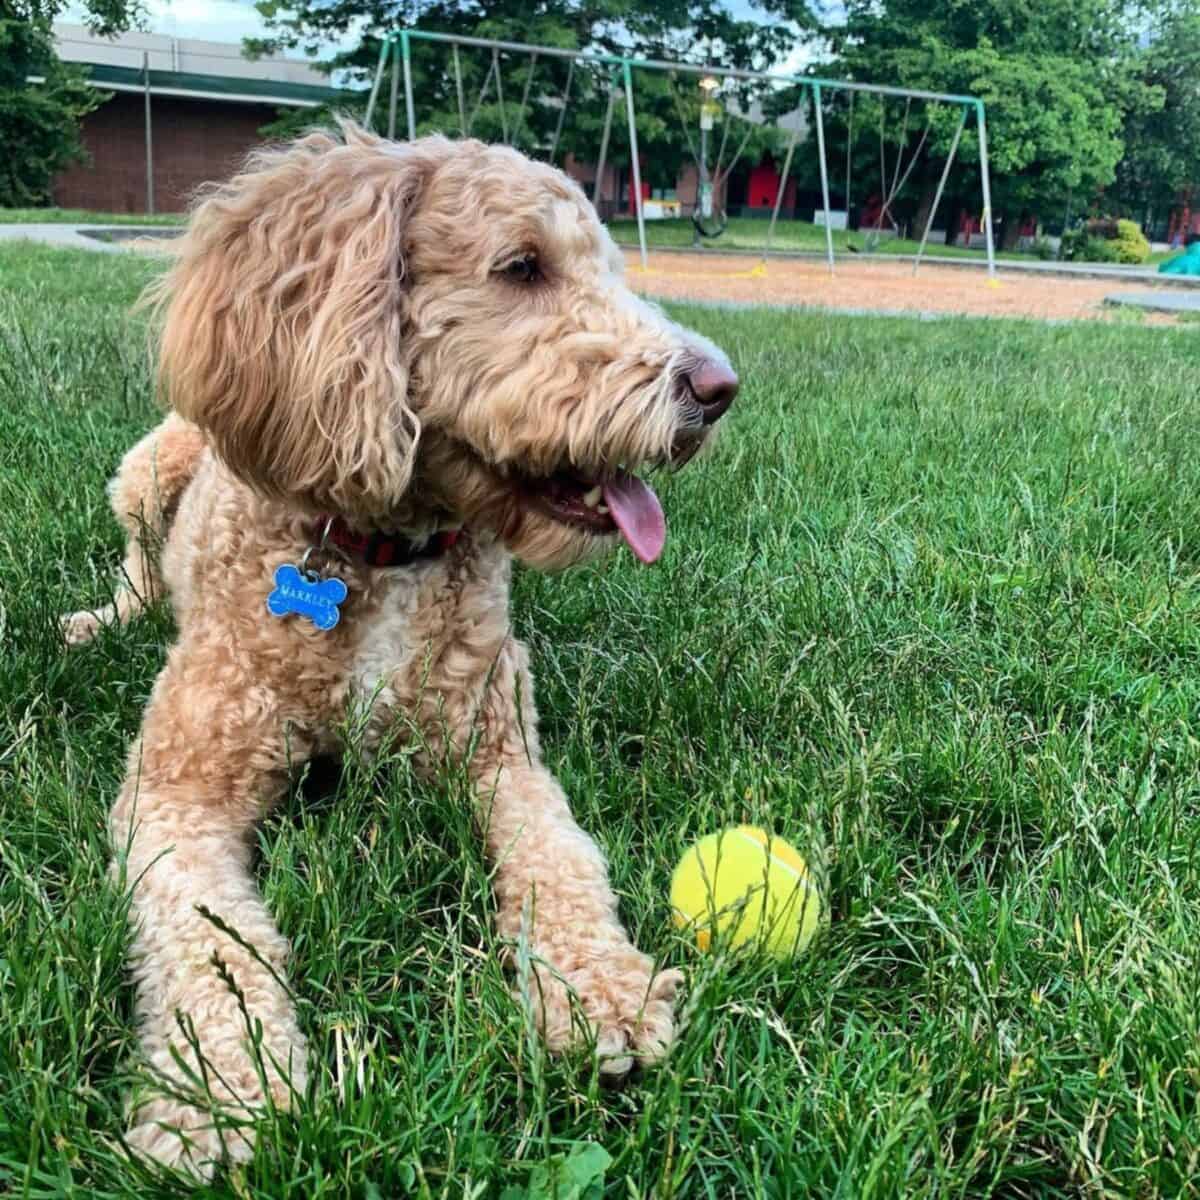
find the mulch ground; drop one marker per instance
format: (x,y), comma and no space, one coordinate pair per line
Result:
(875,286)
(859,286)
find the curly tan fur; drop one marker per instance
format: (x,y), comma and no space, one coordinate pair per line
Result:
(342,332)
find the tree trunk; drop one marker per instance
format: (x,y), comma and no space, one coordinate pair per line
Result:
(924,208)
(1010,231)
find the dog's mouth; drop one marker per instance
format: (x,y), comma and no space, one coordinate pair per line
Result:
(619,503)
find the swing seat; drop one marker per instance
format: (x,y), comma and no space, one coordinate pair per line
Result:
(712,228)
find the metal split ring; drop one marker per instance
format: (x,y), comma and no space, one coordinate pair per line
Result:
(316,548)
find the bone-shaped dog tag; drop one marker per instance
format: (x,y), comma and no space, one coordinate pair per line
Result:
(306,595)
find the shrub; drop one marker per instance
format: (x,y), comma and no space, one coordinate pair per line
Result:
(1069,244)
(1105,239)
(1131,243)
(1100,250)
(1078,245)
(1042,248)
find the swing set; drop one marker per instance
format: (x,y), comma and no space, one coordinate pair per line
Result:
(616,74)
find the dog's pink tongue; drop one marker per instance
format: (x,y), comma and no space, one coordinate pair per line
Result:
(638,515)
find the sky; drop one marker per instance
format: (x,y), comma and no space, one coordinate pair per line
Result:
(212,20)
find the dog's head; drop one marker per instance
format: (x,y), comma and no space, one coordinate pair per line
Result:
(431,331)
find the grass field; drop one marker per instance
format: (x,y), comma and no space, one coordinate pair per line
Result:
(931,610)
(81,216)
(749,233)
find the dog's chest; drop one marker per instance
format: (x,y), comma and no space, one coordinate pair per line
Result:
(427,638)
(391,635)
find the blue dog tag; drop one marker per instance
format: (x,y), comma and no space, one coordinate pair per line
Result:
(314,598)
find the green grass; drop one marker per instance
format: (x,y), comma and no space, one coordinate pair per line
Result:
(750,233)
(931,610)
(81,216)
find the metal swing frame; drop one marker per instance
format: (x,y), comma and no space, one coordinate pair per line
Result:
(398,47)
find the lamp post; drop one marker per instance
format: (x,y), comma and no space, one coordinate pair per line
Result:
(708,85)
(704,191)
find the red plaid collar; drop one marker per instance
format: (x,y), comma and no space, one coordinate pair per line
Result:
(386,549)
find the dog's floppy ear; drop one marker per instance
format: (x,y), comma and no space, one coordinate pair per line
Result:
(284,319)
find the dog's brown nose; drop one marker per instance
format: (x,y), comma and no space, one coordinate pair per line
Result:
(714,385)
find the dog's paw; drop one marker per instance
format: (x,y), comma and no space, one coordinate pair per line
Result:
(79,628)
(188,1139)
(628,1007)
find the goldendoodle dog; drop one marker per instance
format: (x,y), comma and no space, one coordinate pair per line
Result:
(391,369)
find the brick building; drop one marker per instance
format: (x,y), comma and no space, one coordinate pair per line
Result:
(207,105)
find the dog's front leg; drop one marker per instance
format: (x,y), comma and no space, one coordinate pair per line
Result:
(552,888)
(217,1026)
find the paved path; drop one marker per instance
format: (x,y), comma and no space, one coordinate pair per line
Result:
(1158,301)
(55,235)
(73,236)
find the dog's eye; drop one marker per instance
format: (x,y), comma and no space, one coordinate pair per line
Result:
(522,270)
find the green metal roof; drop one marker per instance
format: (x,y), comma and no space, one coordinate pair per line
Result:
(265,91)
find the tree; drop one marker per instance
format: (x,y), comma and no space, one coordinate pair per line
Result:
(694,30)
(649,28)
(39,120)
(1162,152)
(105,17)
(1057,78)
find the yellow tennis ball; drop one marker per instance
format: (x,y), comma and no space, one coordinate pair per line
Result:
(751,887)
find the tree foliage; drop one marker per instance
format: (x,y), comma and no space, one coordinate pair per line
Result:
(104,17)
(678,29)
(1162,151)
(1056,77)
(1082,96)
(758,37)
(39,121)
(42,99)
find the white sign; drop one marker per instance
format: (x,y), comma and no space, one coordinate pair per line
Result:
(660,210)
(837,218)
